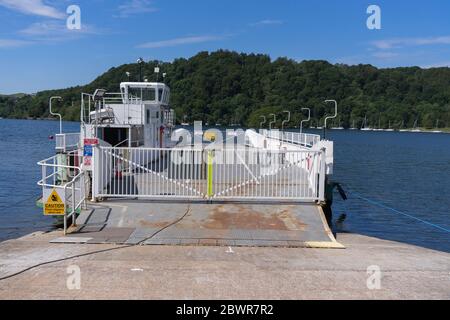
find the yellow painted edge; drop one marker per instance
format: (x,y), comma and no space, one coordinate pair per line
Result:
(324,244)
(328,230)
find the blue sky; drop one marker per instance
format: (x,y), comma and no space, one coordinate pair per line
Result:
(38,52)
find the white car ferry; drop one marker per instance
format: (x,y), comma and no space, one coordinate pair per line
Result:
(125,150)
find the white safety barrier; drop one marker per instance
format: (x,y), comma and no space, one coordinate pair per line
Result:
(61,172)
(235,174)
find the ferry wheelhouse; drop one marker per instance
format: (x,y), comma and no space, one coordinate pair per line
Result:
(138,116)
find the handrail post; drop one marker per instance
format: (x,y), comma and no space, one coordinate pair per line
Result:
(95,173)
(56,114)
(309,118)
(44,179)
(83,191)
(321,194)
(210,174)
(274,120)
(65,212)
(263,122)
(74,215)
(330,117)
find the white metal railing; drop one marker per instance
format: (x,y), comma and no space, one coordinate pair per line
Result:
(110,98)
(237,174)
(67,141)
(266,175)
(146,172)
(127,111)
(57,173)
(303,139)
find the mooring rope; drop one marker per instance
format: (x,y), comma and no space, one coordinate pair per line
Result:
(382,205)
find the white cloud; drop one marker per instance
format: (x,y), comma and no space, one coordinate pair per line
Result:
(12,43)
(179,41)
(54,27)
(409,42)
(266,23)
(33,7)
(51,31)
(132,7)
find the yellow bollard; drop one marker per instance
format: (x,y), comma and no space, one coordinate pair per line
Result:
(210,174)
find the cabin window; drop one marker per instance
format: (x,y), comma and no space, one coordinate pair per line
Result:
(148,116)
(134,93)
(157,115)
(148,94)
(145,94)
(166,97)
(160,94)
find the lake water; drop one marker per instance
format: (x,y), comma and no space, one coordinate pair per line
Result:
(409,172)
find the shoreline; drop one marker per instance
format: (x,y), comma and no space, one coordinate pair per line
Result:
(423,130)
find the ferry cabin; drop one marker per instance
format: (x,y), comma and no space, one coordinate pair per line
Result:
(138,116)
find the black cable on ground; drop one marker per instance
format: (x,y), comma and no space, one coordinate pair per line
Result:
(98,251)
(62,259)
(167,226)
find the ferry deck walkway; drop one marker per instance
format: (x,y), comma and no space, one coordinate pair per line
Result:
(222,224)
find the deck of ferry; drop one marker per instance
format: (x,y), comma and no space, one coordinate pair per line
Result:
(224,224)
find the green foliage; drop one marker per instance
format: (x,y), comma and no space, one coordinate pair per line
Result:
(236,88)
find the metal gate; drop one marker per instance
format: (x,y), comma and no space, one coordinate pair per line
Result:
(203,174)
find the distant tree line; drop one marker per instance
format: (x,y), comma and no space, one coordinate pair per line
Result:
(226,88)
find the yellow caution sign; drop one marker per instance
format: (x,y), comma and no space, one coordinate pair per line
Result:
(54,204)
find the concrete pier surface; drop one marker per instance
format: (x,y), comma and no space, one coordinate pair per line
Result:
(222,272)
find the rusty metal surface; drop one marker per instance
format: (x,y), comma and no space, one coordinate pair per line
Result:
(233,224)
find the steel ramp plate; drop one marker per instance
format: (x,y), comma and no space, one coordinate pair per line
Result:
(226,224)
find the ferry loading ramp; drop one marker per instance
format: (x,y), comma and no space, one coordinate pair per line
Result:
(223,224)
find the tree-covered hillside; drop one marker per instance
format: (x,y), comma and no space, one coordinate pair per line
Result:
(228,87)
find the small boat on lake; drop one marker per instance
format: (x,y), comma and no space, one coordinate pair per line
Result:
(389,129)
(415,128)
(339,127)
(365,127)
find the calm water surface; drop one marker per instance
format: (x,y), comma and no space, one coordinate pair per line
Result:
(407,171)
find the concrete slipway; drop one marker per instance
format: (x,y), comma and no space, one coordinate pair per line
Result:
(222,252)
